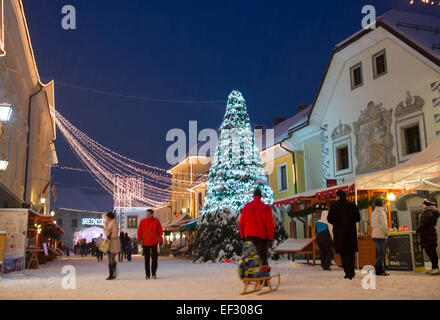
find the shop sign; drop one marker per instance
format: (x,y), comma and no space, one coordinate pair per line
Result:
(92,222)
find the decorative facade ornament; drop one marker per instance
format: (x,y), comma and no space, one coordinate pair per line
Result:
(374,140)
(435,87)
(410,105)
(324,153)
(341,131)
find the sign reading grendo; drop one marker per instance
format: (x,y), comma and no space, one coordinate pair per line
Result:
(92,222)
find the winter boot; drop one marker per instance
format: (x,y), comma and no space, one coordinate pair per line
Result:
(114,270)
(110,271)
(435,272)
(428,271)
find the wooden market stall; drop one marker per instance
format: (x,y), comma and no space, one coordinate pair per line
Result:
(174,238)
(42,239)
(310,203)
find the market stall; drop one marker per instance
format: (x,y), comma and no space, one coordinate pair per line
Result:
(311,203)
(188,229)
(174,238)
(412,180)
(42,239)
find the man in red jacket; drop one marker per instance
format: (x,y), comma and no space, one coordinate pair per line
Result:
(257,225)
(150,231)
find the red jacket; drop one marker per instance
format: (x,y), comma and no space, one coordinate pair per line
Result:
(150,231)
(256,220)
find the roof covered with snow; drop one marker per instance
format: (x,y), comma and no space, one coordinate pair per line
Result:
(281,130)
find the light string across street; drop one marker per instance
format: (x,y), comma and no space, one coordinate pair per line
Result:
(131,182)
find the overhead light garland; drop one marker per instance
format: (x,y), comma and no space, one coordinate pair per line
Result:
(433,3)
(130,182)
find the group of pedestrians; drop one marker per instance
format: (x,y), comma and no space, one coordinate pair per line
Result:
(336,231)
(149,233)
(342,218)
(85,248)
(126,247)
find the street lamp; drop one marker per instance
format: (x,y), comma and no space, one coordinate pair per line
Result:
(5,112)
(52,213)
(43,200)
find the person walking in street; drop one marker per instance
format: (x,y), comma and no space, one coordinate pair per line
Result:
(150,233)
(257,225)
(428,234)
(93,247)
(344,215)
(379,223)
(111,232)
(121,253)
(128,246)
(83,248)
(129,249)
(324,240)
(99,253)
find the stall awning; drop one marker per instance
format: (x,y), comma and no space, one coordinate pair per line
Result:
(190,224)
(47,219)
(39,216)
(177,222)
(421,172)
(316,193)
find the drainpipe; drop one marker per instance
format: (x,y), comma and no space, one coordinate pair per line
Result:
(28,143)
(294,165)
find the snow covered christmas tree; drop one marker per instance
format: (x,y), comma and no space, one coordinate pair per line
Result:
(236,171)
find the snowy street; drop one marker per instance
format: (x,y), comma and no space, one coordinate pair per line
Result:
(180,279)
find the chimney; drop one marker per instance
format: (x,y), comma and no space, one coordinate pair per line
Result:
(301,107)
(278,120)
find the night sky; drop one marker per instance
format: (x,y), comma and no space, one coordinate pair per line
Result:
(274,52)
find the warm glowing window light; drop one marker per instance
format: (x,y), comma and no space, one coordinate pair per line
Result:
(5,112)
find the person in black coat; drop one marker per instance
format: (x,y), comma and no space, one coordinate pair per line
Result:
(344,215)
(428,234)
(121,253)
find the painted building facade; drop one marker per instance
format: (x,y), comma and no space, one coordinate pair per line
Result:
(378,104)
(27,139)
(284,165)
(187,188)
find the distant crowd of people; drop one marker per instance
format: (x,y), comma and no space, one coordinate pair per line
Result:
(83,248)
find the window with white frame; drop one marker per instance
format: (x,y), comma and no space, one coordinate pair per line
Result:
(342,156)
(410,136)
(379,64)
(282,178)
(356,76)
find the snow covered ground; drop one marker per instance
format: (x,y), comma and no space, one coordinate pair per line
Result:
(180,279)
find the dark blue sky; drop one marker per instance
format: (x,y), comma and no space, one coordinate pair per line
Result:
(275,52)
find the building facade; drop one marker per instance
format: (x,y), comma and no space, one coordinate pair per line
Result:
(188,186)
(377,106)
(27,149)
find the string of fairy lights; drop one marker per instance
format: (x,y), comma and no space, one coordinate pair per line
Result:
(430,2)
(132,183)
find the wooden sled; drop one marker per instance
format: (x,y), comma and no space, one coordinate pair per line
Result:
(259,284)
